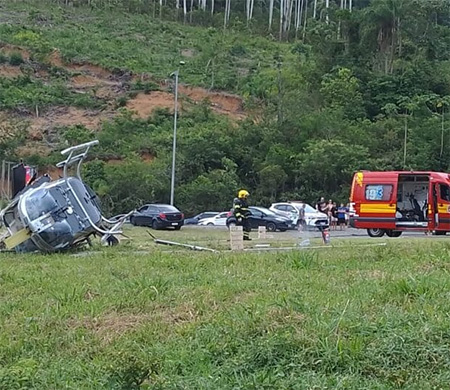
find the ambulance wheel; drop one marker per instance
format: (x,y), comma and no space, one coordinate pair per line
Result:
(393,233)
(375,232)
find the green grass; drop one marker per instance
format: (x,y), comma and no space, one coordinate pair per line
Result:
(344,318)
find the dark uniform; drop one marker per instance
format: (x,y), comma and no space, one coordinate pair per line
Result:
(241,213)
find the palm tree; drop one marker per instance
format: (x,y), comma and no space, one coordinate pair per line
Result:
(383,18)
(270,13)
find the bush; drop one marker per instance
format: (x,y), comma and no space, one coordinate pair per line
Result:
(16,59)
(121,101)
(146,86)
(77,134)
(3,59)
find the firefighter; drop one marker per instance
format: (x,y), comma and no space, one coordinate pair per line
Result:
(241,213)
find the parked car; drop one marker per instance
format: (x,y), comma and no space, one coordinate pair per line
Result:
(195,220)
(218,220)
(313,218)
(158,216)
(260,216)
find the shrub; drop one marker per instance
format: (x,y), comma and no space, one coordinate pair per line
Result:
(146,86)
(16,59)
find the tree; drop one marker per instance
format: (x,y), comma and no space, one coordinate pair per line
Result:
(341,90)
(326,168)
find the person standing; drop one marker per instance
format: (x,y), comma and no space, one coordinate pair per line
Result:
(331,210)
(301,218)
(242,213)
(341,216)
(322,205)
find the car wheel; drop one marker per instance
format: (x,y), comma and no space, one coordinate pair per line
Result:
(209,224)
(155,224)
(231,224)
(271,227)
(393,233)
(283,230)
(375,232)
(177,227)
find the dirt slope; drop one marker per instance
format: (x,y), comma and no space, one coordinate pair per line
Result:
(106,85)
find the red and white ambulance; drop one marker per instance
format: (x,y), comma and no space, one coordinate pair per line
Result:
(397,201)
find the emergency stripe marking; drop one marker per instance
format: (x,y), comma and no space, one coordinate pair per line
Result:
(373,219)
(377,208)
(17,238)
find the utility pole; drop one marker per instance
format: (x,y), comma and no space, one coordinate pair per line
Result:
(280,90)
(174,146)
(405,140)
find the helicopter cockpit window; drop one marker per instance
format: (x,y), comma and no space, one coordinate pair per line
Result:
(40,203)
(59,235)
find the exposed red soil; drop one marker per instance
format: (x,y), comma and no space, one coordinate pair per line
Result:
(85,81)
(95,70)
(108,86)
(225,101)
(10,49)
(69,116)
(144,104)
(33,148)
(222,103)
(147,156)
(9,71)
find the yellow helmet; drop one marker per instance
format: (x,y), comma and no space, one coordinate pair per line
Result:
(243,194)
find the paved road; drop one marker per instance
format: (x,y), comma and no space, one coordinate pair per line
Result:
(334,234)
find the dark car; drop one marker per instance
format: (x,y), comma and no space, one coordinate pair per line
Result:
(195,220)
(260,216)
(158,216)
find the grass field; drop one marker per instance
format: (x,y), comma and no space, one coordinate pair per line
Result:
(347,317)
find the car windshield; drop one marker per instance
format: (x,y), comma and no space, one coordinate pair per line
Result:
(167,209)
(206,215)
(308,208)
(265,211)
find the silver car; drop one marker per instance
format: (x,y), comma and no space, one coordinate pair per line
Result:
(313,218)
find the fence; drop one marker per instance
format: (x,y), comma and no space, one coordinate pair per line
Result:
(6,186)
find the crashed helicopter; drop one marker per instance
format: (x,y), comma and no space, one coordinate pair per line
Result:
(52,216)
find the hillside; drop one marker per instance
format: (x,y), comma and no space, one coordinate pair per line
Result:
(289,116)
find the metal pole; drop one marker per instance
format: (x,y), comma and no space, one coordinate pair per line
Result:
(172,187)
(9,181)
(3,179)
(406,138)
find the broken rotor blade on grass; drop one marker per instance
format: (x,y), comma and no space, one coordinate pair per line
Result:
(172,243)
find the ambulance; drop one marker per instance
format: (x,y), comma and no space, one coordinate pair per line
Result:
(397,201)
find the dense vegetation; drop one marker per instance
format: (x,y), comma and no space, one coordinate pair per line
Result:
(337,319)
(366,88)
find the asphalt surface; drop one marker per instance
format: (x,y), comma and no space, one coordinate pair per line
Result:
(334,234)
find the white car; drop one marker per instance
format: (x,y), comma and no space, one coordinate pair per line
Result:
(313,218)
(218,220)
